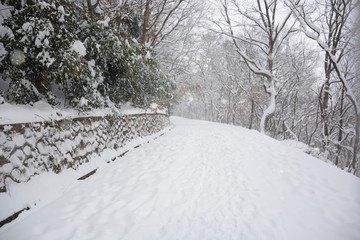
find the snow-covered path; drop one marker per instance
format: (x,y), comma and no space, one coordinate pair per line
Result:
(204,181)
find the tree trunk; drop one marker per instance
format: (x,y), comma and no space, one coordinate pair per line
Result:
(270,110)
(341,123)
(146,22)
(324,105)
(252,114)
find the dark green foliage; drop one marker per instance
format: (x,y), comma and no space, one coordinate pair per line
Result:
(115,69)
(45,34)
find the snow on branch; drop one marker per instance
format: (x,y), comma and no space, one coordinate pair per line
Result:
(314,32)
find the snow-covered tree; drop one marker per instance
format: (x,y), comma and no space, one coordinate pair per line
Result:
(334,35)
(264,29)
(296,118)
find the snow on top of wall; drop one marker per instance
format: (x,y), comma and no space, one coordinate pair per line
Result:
(42,111)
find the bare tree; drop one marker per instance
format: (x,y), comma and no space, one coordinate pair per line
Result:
(124,15)
(266,32)
(334,43)
(295,117)
(161,18)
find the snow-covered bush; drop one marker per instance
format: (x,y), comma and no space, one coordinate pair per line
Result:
(58,42)
(129,71)
(44,32)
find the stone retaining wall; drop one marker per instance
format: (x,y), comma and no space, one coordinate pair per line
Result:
(31,148)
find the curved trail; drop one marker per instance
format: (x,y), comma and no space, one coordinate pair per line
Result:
(204,181)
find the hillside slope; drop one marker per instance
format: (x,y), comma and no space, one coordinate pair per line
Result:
(204,180)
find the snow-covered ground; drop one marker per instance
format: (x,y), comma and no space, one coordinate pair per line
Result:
(202,180)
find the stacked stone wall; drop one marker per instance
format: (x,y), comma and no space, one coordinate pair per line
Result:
(32,148)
